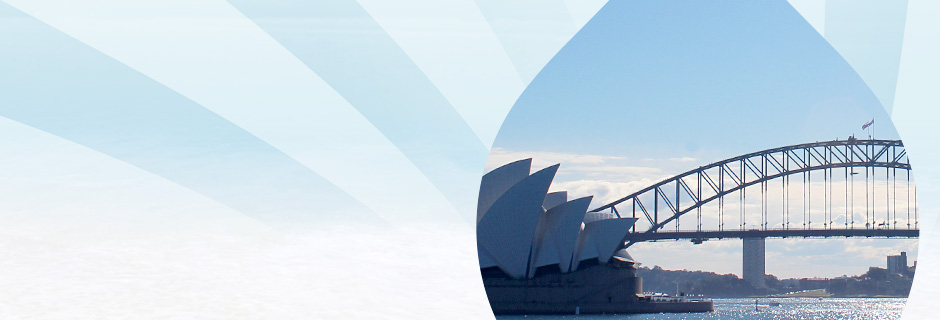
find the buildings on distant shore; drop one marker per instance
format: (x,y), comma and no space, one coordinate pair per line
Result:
(898,263)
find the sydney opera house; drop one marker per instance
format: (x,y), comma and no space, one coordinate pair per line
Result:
(541,253)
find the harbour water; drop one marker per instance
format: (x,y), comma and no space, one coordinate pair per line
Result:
(789,309)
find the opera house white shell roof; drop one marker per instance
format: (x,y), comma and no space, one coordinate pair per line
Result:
(521,227)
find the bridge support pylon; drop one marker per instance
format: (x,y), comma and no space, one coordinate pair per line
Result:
(754,259)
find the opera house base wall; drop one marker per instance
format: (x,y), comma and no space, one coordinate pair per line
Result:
(599,289)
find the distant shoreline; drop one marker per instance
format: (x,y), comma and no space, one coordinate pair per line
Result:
(782,297)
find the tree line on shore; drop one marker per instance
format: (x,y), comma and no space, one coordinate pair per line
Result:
(877,282)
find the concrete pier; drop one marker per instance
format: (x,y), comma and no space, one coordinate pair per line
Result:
(754,258)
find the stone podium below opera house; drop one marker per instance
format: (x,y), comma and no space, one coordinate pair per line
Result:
(541,253)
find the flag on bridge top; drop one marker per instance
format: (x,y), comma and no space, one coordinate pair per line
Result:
(868,124)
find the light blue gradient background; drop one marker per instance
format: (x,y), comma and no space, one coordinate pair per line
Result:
(213,159)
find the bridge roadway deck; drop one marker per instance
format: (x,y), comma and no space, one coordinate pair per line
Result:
(773,233)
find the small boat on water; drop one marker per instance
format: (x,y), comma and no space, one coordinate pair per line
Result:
(774,303)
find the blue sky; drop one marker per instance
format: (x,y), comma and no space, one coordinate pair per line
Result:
(646,90)
(655,77)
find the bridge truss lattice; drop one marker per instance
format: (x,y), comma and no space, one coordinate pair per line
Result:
(665,202)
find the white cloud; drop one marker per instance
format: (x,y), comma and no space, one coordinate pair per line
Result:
(716,256)
(574,167)
(541,159)
(618,170)
(603,191)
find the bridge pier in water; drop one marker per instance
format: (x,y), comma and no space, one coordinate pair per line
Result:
(754,258)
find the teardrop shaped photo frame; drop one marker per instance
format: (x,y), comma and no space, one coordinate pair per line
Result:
(715,158)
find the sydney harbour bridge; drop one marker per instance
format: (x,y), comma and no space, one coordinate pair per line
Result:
(841,188)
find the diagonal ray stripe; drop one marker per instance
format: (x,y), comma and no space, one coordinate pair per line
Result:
(53,83)
(214,55)
(341,43)
(54,188)
(869,35)
(915,114)
(813,11)
(454,45)
(530,32)
(583,10)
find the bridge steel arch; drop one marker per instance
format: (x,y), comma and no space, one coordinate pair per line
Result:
(762,166)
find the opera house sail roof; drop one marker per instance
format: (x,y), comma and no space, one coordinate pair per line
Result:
(521,226)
